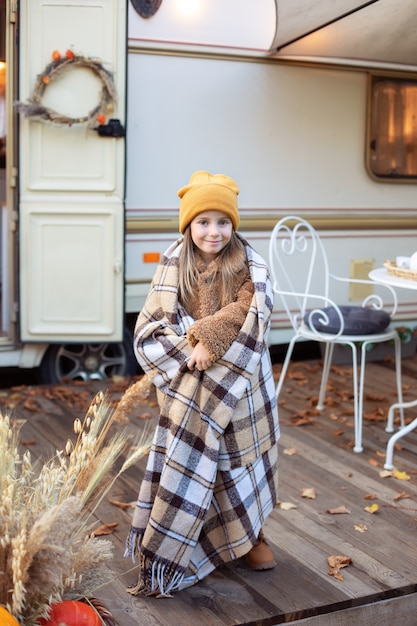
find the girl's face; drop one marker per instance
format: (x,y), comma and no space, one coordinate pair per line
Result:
(211,231)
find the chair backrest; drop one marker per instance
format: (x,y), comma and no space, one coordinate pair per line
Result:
(299,267)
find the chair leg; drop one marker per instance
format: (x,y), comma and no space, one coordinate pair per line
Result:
(328,355)
(359,401)
(285,365)
(392,440)
(358,393)
(399,404)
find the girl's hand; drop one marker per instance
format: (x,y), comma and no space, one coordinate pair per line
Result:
(199,358)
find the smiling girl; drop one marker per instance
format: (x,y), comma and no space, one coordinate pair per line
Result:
(211,477)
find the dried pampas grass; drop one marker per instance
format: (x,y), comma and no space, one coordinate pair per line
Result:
(47,550)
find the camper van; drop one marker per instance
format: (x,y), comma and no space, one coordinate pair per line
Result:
(108,106)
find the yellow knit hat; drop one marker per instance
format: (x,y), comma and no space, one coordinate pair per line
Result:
(208,192)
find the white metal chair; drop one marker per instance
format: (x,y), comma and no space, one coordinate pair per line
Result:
(301,277)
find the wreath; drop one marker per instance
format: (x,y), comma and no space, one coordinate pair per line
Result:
(35,110)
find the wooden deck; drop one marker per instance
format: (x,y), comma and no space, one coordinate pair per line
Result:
(319,473)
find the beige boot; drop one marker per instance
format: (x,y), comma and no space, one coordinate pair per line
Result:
(260,557)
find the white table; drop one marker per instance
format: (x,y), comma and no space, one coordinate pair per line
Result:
(381,275)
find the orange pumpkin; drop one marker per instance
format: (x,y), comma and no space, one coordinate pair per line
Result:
(72,613)
(69,54)
(6,618)
(56,55)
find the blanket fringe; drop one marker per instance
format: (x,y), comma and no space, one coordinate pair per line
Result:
(156,579)
(132,543)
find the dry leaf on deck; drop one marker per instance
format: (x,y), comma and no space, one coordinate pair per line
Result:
(144,416)
(373,508)
(297,375)
(105,529)
(329,402)
(338,510)
(336,563)
(287,506)
(360,528)
(378,415)
(290,451)
(123,505)
(370,496)
(400,475)
(31,405)
(401,496)
(375,398)
(373,462)
(385,473)
(309,492)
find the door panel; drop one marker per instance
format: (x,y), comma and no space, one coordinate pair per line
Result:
(75,256)
(71,180)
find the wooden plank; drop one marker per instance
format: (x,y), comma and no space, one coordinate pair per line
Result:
(385,613)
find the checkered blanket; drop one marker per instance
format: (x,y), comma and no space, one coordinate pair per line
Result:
(214,425)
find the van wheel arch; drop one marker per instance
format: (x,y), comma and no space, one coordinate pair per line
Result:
(89,361)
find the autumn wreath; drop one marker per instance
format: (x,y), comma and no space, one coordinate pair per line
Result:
(35,110)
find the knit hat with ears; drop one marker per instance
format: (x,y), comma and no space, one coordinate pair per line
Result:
(208,192)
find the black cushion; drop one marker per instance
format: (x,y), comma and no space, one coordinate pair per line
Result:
(358,320)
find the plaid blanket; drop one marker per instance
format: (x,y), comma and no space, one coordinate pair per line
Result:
(216,428)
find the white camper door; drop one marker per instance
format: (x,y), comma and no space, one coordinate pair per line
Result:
(71,179)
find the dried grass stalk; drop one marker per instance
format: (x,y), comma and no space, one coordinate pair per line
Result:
(47,552)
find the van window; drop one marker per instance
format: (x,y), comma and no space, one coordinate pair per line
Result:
(392,129)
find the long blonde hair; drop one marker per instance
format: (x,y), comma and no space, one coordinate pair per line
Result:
(188,268)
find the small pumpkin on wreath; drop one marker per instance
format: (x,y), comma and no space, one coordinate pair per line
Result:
(36,111)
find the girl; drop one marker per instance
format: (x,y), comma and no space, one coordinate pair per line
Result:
(211,477)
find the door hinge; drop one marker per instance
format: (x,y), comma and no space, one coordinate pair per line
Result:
(12,11)
(13,222)
(13,177)
(14,311)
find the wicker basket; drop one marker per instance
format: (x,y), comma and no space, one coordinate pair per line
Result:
(401,272)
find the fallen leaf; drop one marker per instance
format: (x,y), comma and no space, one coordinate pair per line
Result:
(123,505)
(385,473)
(308,492)
(401,496)
(373,508)
(360,528)
(338,510)
(290,451)
(31,405)
(336,563)
(287,506)
(297,375)
(373,462)
(375,398)
(330,402)
(400,475)
(144,416)
(301,421)
(378,415)
(370,496)
(105,529)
